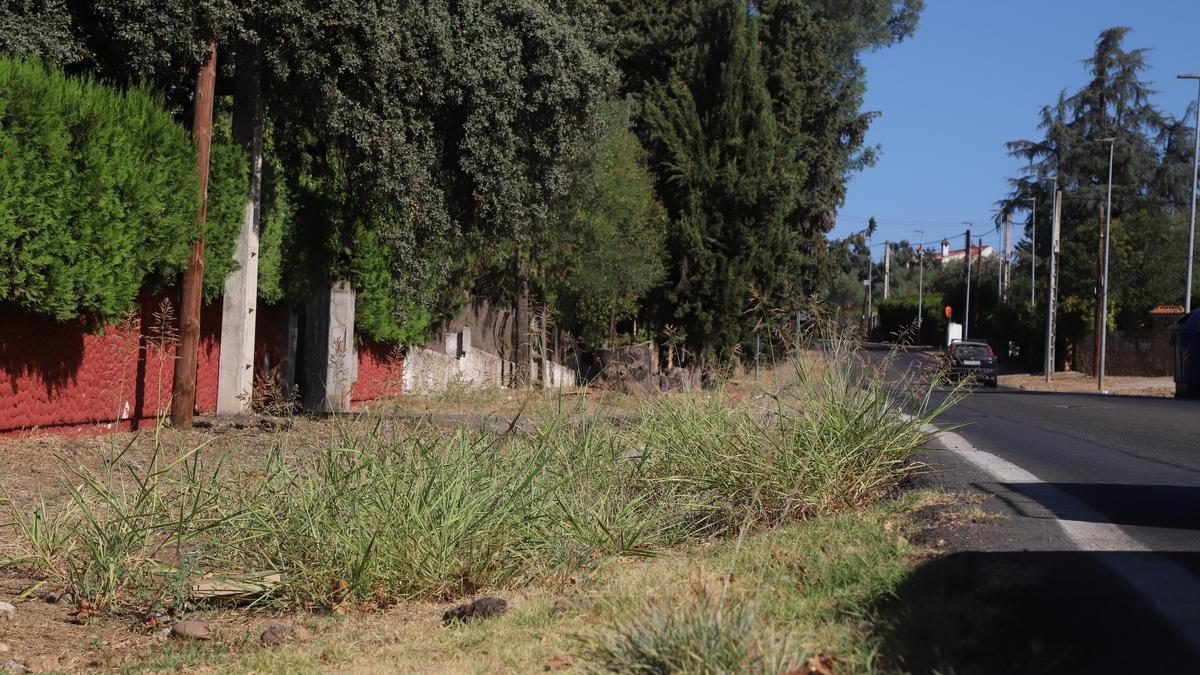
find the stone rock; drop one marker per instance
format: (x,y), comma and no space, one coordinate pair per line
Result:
(572,604)
(55,597)
(191,630)
(558,662)
(487,607)
(16,666)
(7,612)
(42,664)
(680,380)
(277,633)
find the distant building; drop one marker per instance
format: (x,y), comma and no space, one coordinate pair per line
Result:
(1166,315)
(960,255)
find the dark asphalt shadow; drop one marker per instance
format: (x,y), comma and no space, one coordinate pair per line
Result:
(1171,506)
(1027,612)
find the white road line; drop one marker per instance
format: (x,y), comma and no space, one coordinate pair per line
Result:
(1173,591)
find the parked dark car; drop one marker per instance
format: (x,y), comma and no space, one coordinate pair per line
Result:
(972,358)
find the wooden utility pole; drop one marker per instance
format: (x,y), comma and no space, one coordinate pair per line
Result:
(183,398)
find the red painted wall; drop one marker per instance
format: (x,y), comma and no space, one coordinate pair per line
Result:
(380,373)
(68,378)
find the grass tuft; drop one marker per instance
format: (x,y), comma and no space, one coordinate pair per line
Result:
(379,513)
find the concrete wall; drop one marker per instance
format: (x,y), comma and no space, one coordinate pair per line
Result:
(477,348)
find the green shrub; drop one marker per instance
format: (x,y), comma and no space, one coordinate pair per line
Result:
(98,192)
(898,316)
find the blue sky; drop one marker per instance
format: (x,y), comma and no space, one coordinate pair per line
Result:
(975,76)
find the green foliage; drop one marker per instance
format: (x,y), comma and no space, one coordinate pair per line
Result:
(37,28)
(714,146)
(278,222)
(228,187)
(612,233)
(898,318)
(753,125)
(1151,187)
(98,192)
(811,57)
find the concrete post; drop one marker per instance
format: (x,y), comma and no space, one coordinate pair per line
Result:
(887,269)
(235,372)
(331,361)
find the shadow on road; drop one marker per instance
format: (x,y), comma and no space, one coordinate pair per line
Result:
(1170,506)
(1027,612)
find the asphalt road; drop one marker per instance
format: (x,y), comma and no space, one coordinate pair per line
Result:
(1093,561)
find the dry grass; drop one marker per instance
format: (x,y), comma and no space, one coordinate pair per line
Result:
(366,513)
(806,589)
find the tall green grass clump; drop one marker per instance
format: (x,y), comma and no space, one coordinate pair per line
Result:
(381,512)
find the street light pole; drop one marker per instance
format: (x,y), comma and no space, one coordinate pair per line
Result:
(1103,327)
(1195,181)
(921,280)
(967,313)
(1033,256)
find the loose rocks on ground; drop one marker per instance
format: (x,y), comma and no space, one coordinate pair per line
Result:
(277,633)
(483,608)
(191,630)
(7,612)
(42,664)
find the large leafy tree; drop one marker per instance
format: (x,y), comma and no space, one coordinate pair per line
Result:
(812,59)
(407,134)
(609,244)
(804,141)
(1149,184)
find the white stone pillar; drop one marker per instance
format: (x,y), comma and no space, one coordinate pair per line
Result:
(235,370)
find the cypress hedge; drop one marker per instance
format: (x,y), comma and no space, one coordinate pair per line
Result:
(98,194)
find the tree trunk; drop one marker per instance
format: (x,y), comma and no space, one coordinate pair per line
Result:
(522,328)
(612,323)
(183,399)
(543,327)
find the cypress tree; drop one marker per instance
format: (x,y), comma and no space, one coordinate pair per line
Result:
(715,147)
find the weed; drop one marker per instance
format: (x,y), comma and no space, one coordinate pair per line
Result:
(704,635)
(380,513)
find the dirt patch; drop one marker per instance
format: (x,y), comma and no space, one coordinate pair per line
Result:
(951,525)
(1080,383)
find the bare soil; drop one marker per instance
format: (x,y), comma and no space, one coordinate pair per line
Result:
(1073,382)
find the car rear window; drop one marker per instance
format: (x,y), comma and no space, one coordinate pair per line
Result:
(971,352)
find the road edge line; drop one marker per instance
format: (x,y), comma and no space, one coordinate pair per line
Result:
(1156,578)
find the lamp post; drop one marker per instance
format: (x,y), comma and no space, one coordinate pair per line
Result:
(921,280)
(1103,327)
(1033,240)
(967,313)
(1195,180)
(1033,254)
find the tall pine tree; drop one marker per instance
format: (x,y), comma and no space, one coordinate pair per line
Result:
(714,143)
